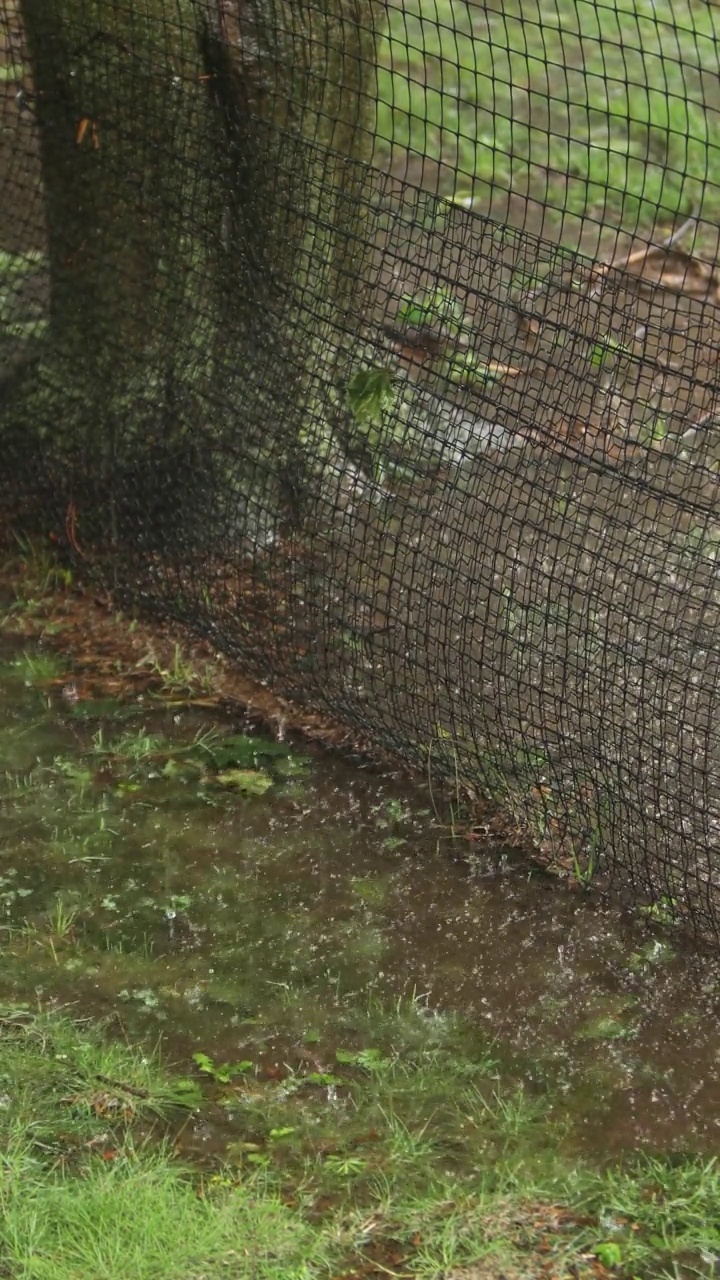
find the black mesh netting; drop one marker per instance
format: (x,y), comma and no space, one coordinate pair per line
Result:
(379,343)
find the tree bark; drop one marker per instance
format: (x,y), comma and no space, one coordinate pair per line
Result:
(294,84)
(122,118)
(203,166)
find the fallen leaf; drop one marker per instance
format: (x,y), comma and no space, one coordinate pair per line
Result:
(253,782)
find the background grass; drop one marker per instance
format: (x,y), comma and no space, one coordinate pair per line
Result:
(604,108)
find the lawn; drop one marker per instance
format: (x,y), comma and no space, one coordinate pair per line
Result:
(607,110)
(420,1166)
(424,1166)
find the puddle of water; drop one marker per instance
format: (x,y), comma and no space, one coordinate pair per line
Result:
(270,903)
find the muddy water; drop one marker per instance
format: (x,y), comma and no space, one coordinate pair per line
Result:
(270,903)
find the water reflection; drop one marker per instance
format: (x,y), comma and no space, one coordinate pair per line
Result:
(253,911)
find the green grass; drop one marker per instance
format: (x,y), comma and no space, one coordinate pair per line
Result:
(34,668)
(142,1219)
(87,1192)
(43,577)
(412,1168)
(395,1136)
(11,71)
(19,318)
(182,676)
(600,107)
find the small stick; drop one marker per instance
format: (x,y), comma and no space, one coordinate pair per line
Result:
(639,254)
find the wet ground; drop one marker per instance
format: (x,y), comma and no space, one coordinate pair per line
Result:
(265,902)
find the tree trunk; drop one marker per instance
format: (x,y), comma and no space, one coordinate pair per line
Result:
(203,164)
(294,84)
(122,118)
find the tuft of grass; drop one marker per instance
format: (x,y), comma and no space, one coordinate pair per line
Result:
(181,676)
(36,668)
(141,1217)
(41,575)
(82,1199)
(134,746)
(61,1076)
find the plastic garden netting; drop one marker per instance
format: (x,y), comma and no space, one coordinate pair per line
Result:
(379,342)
